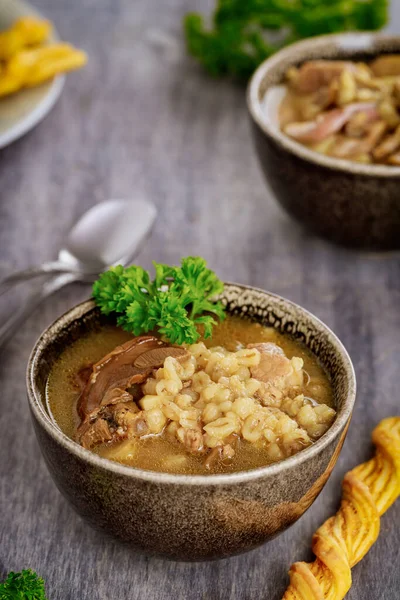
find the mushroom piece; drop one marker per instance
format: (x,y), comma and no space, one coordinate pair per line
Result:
(356,148)
(386,66)
(389,145)
(295,107)
(122,368)
(315,74)
(394,159)
(105,398)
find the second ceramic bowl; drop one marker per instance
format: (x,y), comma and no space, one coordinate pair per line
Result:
(348,203)
(193,517)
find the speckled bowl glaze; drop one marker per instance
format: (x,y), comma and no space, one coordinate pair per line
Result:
(349,203)
(193,517)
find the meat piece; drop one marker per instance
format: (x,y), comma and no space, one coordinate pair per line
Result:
(223,453)
(156,357)
(121,369)
(273,366)
(114,422)
(386,66)
(130,419)
(115,395)
(82,376)
(213,457)
(227,453)
(326,123)
(95,433)
(315,74)
(193,440)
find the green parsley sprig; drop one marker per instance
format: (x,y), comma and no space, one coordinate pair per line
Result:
(241,33)
(174,303)
(23,586)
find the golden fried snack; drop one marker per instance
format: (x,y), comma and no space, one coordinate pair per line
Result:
(32,67)
(28,31)
(343,540)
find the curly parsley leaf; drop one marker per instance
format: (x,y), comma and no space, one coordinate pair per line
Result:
(23,586)
(242,32)
(175,303)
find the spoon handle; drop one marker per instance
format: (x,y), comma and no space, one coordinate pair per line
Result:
(12,324)
(30,273)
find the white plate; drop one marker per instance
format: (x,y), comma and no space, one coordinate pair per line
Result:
(20,112)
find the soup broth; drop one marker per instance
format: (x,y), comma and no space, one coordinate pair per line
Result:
(165,453)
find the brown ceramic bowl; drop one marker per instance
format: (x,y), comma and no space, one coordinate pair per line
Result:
(349,203)
(193,517)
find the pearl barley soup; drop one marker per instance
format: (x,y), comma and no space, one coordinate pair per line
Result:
(245,398)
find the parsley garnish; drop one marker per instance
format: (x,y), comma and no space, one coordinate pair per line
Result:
(241,33)
(22,586)
(174,303)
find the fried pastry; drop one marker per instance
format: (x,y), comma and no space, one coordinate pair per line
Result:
(342,541)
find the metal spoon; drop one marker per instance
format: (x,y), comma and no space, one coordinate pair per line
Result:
(110,233)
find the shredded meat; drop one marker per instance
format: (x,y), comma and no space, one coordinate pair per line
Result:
(193,440)
(223,453)
(95,433)
(273,365)
(130,419)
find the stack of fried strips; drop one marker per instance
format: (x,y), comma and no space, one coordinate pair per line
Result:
(342,541)
(28,59)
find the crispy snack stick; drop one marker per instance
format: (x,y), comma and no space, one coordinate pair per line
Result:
(342,541)
(32,67)
(28,31)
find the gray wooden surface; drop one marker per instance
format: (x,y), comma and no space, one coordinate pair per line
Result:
(143,121)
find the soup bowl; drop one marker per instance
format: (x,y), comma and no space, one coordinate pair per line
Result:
(193,517)
(349,203)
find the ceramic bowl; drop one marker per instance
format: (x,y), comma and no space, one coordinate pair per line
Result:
(193,517)
(349,203)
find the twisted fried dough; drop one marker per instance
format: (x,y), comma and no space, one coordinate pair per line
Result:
(342,541)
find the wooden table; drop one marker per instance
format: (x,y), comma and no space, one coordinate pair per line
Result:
(143,121)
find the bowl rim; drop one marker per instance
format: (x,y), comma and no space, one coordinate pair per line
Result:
(346,42)
(78,311)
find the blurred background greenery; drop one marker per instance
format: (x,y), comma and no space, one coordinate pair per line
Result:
(241,34)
